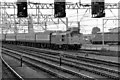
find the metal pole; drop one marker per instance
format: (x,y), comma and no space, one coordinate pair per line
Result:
(15,27)
(79,26)
(0,13)
(103,35)
(66,23)
(60,59)
(21,53)
(46,25)
(15,30)
(21,60)
(80,1)
(78,22)
(38,15)
(77,15)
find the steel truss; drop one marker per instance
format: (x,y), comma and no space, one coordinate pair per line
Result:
(42,19)
(69,5)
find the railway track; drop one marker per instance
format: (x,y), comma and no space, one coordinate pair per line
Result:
(12,71)
(75,65)
(53,69)
(75,55)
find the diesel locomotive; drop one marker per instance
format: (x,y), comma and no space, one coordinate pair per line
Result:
(70,39)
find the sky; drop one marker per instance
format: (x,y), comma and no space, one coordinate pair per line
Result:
(87,23)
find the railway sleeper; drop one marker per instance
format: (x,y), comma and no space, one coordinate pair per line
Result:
(60,68)
(12,70)
(76,62)
(42,68)
(92,60)
(110,70)
(74,65)
(93,70)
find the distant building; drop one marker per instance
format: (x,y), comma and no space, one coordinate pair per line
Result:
(117,29)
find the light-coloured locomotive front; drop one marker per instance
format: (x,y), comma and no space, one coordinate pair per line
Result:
(70,39)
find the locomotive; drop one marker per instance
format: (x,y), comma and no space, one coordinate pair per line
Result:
(70,39)
(109,38)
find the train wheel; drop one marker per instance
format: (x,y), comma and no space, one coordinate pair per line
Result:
(69,47)
(66,47)
(55,47)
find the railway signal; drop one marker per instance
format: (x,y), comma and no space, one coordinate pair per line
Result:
(98,8)
(59,9)
(22,8)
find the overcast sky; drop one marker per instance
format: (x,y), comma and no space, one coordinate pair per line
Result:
(87,23)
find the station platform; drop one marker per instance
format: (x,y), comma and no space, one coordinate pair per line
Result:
(27,72)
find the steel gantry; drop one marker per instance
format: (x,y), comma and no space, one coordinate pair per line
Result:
(39,18)
(69,5)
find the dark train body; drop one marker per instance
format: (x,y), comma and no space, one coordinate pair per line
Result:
(70,39)
(109,38)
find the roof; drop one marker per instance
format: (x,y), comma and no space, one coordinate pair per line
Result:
(107,32)
(115,28)
(61,33)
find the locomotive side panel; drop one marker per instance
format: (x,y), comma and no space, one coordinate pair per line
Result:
(59,38)
(30,37)
(109,37)
(2,37)
(20,37)
(98,37)
(115,37)
(10,37)
(75,39)
(43,37)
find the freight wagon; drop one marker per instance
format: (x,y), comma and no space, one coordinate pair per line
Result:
(109,38)
(70,39)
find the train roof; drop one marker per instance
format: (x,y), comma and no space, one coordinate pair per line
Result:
(108,32)
(60,33)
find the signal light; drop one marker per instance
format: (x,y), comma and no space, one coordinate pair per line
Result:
(22,8)
(98,8)
(59,9)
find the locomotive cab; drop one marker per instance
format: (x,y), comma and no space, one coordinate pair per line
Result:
(68,39)
(75,38)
